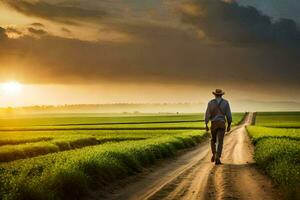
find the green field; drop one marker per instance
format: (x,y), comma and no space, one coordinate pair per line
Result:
(61,156)
(90,119)
(277,150)
(62,122)
(259,132)
(278,119)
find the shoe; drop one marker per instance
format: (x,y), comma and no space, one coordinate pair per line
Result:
(212,158)
(218,161)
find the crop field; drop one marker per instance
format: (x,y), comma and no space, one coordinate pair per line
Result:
(278,119)
(69,122)
(277,150)
(259,132)
(75,119)
(63,156)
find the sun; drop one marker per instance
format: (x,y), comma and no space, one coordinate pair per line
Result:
(12,88)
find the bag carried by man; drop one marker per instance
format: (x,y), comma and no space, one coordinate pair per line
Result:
(220,124)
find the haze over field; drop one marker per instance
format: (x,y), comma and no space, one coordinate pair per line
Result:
(171,51)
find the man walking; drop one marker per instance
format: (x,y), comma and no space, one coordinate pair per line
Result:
(216,112)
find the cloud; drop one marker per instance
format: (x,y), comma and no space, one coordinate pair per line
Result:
(38,32)
(37,24)
(160,55)
(65,30)
(57,12)
(276,9)
(2,33)
(11,30)
(237,45)
(227,21)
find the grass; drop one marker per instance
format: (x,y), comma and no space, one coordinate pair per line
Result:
(67,175)
(280,158)
(277,150)
(27,150)
(257,133)
(278,119)
(140,126)
(77,119)
(21,137)
(71,140)
(61,156)
(69,122)
(22,140)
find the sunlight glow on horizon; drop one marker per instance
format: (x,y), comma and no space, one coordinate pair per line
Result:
(28,94)
(12,88)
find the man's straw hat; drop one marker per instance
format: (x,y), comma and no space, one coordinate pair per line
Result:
(218,92)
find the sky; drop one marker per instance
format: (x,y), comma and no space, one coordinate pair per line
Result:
(156,51)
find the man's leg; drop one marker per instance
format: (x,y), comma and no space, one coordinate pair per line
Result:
(220,136)
(213,141)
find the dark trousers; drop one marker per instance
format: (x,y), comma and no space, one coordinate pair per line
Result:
(217,136)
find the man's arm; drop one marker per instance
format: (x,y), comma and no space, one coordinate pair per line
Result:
(207,117)
(228,117)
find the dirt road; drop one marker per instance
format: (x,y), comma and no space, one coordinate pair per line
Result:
(192,175)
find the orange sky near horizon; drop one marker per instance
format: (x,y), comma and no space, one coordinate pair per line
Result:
(33,94)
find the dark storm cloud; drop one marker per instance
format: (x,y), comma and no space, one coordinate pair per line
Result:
(56,12)
(230,22)
(276,9)
(240,45)
(36,31)
(165,55)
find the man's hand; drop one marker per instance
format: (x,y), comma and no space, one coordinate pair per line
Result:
(206,128)
(228,128)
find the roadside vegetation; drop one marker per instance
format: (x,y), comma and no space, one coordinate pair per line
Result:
(277,150)
(69,174)
(258,132)
(74,140)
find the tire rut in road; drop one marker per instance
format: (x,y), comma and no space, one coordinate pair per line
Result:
(188,184)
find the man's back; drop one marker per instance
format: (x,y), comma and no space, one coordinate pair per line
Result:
(217,110)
